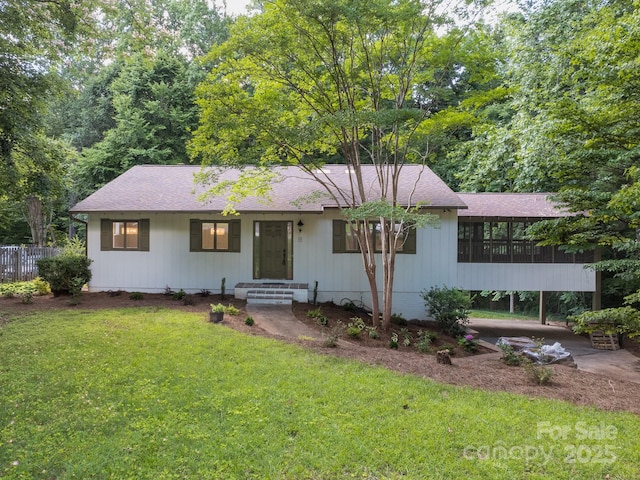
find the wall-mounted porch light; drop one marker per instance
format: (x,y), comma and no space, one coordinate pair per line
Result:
(300,225)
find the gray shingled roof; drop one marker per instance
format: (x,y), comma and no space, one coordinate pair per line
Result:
(171,188)
(510,205)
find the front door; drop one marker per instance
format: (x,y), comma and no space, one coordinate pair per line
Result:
(273,257)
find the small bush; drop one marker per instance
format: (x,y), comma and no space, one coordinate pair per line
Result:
(423,344)
(317,314)
(8,291)
(41,287)
(231,310)
(398,319)
(331,339)
(179,295)
(204,292)
(450,308)
(393,341)
(76,290)
(539,374)
(355,327)
(26,297)
(448,346)
(353,332)
(407,338)
(349,306)
(468,343)
(249,321)
(509,355)
(167,291)
(373,332)
(136,296)
(314,313)
(218,308)
(66,273)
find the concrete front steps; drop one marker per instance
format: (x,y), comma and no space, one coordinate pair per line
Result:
(272,293)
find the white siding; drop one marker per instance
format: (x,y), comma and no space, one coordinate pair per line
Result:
(340,276)
(559,277)
(169,262)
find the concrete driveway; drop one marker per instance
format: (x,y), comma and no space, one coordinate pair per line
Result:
(619,364)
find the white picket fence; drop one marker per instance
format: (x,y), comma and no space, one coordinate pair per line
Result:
(20,263)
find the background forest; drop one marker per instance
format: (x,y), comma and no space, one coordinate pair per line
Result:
(543,96)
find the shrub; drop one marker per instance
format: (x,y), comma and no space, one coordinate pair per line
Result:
(539,374)
(509,355)
(314,313)
(179,295)
(468,343)
(448,346)
(136,296)
(26,297)
(423,344)
(406,337)
(318,315)
(41,287)
(349,306)
(623,320)
(398,319)
(8,290)
(249,321)
(355,327)
(76,290)
(231,310)
(393,341)
(218,308)
(450,308)
(331,340)
(373,332)
(65,272)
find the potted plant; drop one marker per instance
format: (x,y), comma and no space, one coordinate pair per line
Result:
(217,313)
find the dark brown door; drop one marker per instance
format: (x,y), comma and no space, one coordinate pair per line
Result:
(273,250)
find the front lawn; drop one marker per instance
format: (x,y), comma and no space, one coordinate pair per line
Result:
(158,393)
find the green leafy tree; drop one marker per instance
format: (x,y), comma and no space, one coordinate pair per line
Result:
(34,35)
(154,104)
(307,81)
(570,124)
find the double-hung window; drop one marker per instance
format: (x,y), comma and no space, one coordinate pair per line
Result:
(125,235)
(214,236)
(345,238)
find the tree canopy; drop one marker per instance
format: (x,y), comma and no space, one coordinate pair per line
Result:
(360,81)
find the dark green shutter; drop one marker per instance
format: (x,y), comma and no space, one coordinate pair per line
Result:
(195,236)
(338,236)
(143,239)
(106,234)
(234,236)
(410,242)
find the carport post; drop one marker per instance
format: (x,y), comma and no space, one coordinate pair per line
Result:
(543,308)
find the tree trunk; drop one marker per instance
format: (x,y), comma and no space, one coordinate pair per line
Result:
(389,240)
(367,249)
(36,220)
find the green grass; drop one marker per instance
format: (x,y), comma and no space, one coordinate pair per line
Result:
(159,394)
